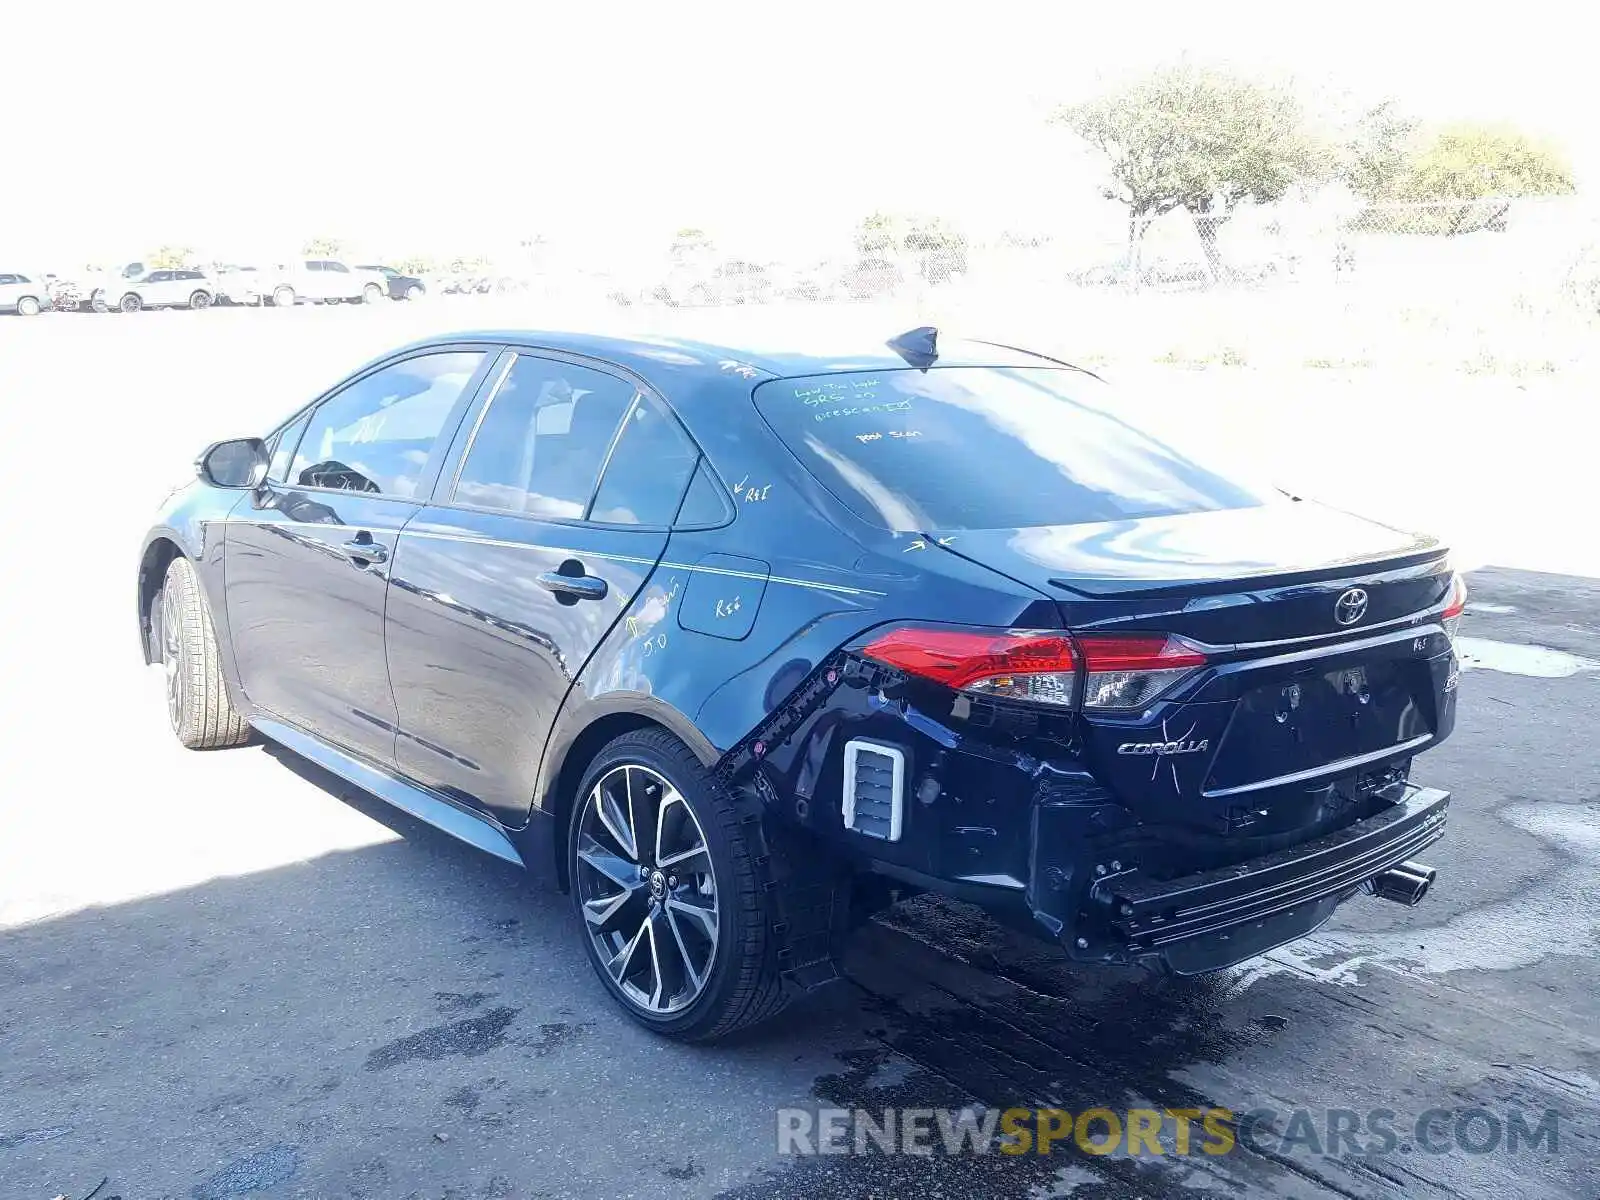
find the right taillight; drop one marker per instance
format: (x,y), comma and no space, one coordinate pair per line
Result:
(1119,671)
(1131,670)
(1455,606)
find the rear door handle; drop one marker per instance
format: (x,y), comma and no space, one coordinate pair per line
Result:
(579,587)
(362,552)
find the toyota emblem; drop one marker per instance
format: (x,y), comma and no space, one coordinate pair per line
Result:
(1351,606)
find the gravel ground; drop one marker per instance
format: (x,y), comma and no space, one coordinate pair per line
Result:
(224,974)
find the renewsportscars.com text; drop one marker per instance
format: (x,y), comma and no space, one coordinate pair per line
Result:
(1332,1132)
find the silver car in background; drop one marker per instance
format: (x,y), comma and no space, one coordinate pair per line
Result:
(25,295)
(182,287)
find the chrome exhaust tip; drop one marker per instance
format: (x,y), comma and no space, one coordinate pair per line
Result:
(1404,883)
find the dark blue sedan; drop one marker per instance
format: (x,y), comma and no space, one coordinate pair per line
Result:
(738,646)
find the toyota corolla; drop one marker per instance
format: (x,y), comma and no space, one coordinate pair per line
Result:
(738,645)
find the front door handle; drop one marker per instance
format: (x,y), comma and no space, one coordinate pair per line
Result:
(363,552)
(578,587)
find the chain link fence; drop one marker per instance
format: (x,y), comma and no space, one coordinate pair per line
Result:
(1488,285)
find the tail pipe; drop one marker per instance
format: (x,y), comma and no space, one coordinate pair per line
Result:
(1404,883)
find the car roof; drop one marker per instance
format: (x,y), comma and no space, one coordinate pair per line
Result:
(771,353)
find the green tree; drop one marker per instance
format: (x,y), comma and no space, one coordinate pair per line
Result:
(1469,162)
(1377,152)
(1199,139)
(169,257)
(878,234)
(323,247)
(690,244)
(1484,167)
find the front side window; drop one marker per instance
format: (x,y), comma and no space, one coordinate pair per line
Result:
(542,441)
(988,448)
(378,434)
(283,449)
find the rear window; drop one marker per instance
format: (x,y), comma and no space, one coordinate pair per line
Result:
(987,448)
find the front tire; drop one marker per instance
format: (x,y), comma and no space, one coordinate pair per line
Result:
(372,293)
(665,881)
(415,292)
(130,303)
(283,297)
(198,300)
(198,709)
(28,306)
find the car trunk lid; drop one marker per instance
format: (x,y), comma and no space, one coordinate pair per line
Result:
(1327,664)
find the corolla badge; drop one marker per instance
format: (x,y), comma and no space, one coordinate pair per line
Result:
(1351,606)
(1181,746)
(1168,748)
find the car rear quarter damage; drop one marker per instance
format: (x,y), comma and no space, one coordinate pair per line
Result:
(1089,830)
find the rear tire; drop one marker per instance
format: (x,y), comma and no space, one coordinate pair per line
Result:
(694,978)
(198,709)
(415,292)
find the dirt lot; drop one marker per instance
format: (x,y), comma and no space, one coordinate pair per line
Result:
(224,974)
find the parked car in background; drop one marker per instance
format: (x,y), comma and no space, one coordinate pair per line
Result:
(400,285)
(164,288)
(24,295)
(327,281)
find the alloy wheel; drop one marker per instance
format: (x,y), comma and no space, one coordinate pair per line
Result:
(172,657)
(647,888)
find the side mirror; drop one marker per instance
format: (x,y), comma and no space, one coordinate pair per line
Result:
(238,463)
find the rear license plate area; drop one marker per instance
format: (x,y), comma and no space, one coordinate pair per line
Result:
(1320,717)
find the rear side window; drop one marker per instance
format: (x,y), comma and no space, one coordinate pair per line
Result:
(648,470)
(543,440)
(377,434)
(706,502)
(986,448)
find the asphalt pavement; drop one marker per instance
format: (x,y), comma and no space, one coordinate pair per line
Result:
(226,974)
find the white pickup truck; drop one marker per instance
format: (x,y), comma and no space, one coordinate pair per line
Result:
(326,281)
(314,280)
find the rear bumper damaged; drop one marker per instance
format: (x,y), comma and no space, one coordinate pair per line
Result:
(1216,918)
(1005,811)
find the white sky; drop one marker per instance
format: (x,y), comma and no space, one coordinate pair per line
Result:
(456,126)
